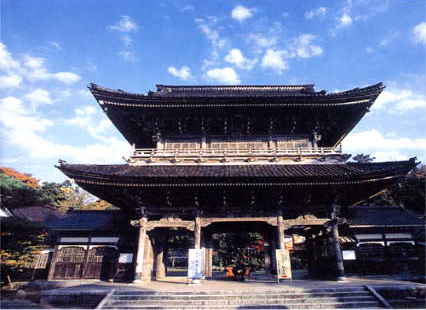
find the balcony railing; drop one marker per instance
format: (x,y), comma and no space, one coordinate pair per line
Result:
(197,153)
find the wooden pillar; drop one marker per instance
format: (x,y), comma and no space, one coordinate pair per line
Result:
(160,271)
(273,256)
(208,269)
(280,230)
(336,244)
(140,250)
(197,231)
(267,253)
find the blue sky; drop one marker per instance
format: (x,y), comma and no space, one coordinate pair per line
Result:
(51,50)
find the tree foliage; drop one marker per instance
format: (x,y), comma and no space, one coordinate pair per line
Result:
(21,242)
(25,178)
(21,190)
(238,247)
(77,198)
(410,192)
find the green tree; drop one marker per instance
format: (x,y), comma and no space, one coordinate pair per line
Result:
(15,193)
(21,242)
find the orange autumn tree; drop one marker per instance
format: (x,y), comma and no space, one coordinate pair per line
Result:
(25,178)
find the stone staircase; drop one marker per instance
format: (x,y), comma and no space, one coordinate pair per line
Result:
(318,298)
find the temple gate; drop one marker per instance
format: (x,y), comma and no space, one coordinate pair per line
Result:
(206,155)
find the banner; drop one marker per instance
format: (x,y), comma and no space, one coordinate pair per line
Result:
(195,263)
(283,264)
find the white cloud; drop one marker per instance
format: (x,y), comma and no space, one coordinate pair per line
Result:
(10,81)
(87,110)
(344,21)
(262,41)
(236,57)
(369,50)
(127,55)
(56,45)
(85,93)
(225,75)
(125,24)
(37,97)
(241,13)
(304,48)
(17,119)
(400,101)
(127,40)
(187,8)
(321,12)
(419,33)
(274,60)
(66,77)
(6,60)
(383,148)
(38,71)
(86,118)
(211,34)
(184,72)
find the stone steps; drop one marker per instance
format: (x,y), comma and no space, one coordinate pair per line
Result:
(331,298)
(239,296)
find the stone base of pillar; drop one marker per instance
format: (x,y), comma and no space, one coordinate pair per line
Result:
(342,279)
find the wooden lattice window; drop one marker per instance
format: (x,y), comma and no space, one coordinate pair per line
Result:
(291,144)
(70,255)
(41,261)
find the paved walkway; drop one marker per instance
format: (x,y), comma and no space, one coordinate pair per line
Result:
(179,284)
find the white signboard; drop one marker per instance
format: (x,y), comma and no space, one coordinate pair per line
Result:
(195,263)
(283,264)
(125,258)
(348,255)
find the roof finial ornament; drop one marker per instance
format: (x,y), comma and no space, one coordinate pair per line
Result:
(62,162)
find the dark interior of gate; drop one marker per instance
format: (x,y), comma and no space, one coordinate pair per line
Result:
(227,245)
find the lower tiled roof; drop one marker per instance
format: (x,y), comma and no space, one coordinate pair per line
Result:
(282,172)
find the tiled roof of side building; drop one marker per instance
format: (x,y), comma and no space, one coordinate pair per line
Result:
(41,214)
(100,220)
(275,171)
(382,216)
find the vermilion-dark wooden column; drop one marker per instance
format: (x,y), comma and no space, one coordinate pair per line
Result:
(267,252)
(160,270)
(336,244)
(280,230)
(140,250)
(197,231)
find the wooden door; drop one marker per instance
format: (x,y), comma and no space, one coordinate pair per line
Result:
(69,263)
(100,263)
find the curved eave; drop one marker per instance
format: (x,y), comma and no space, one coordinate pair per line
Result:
(107,96)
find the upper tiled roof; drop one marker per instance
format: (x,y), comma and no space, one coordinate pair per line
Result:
(381,216)
(172,91)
